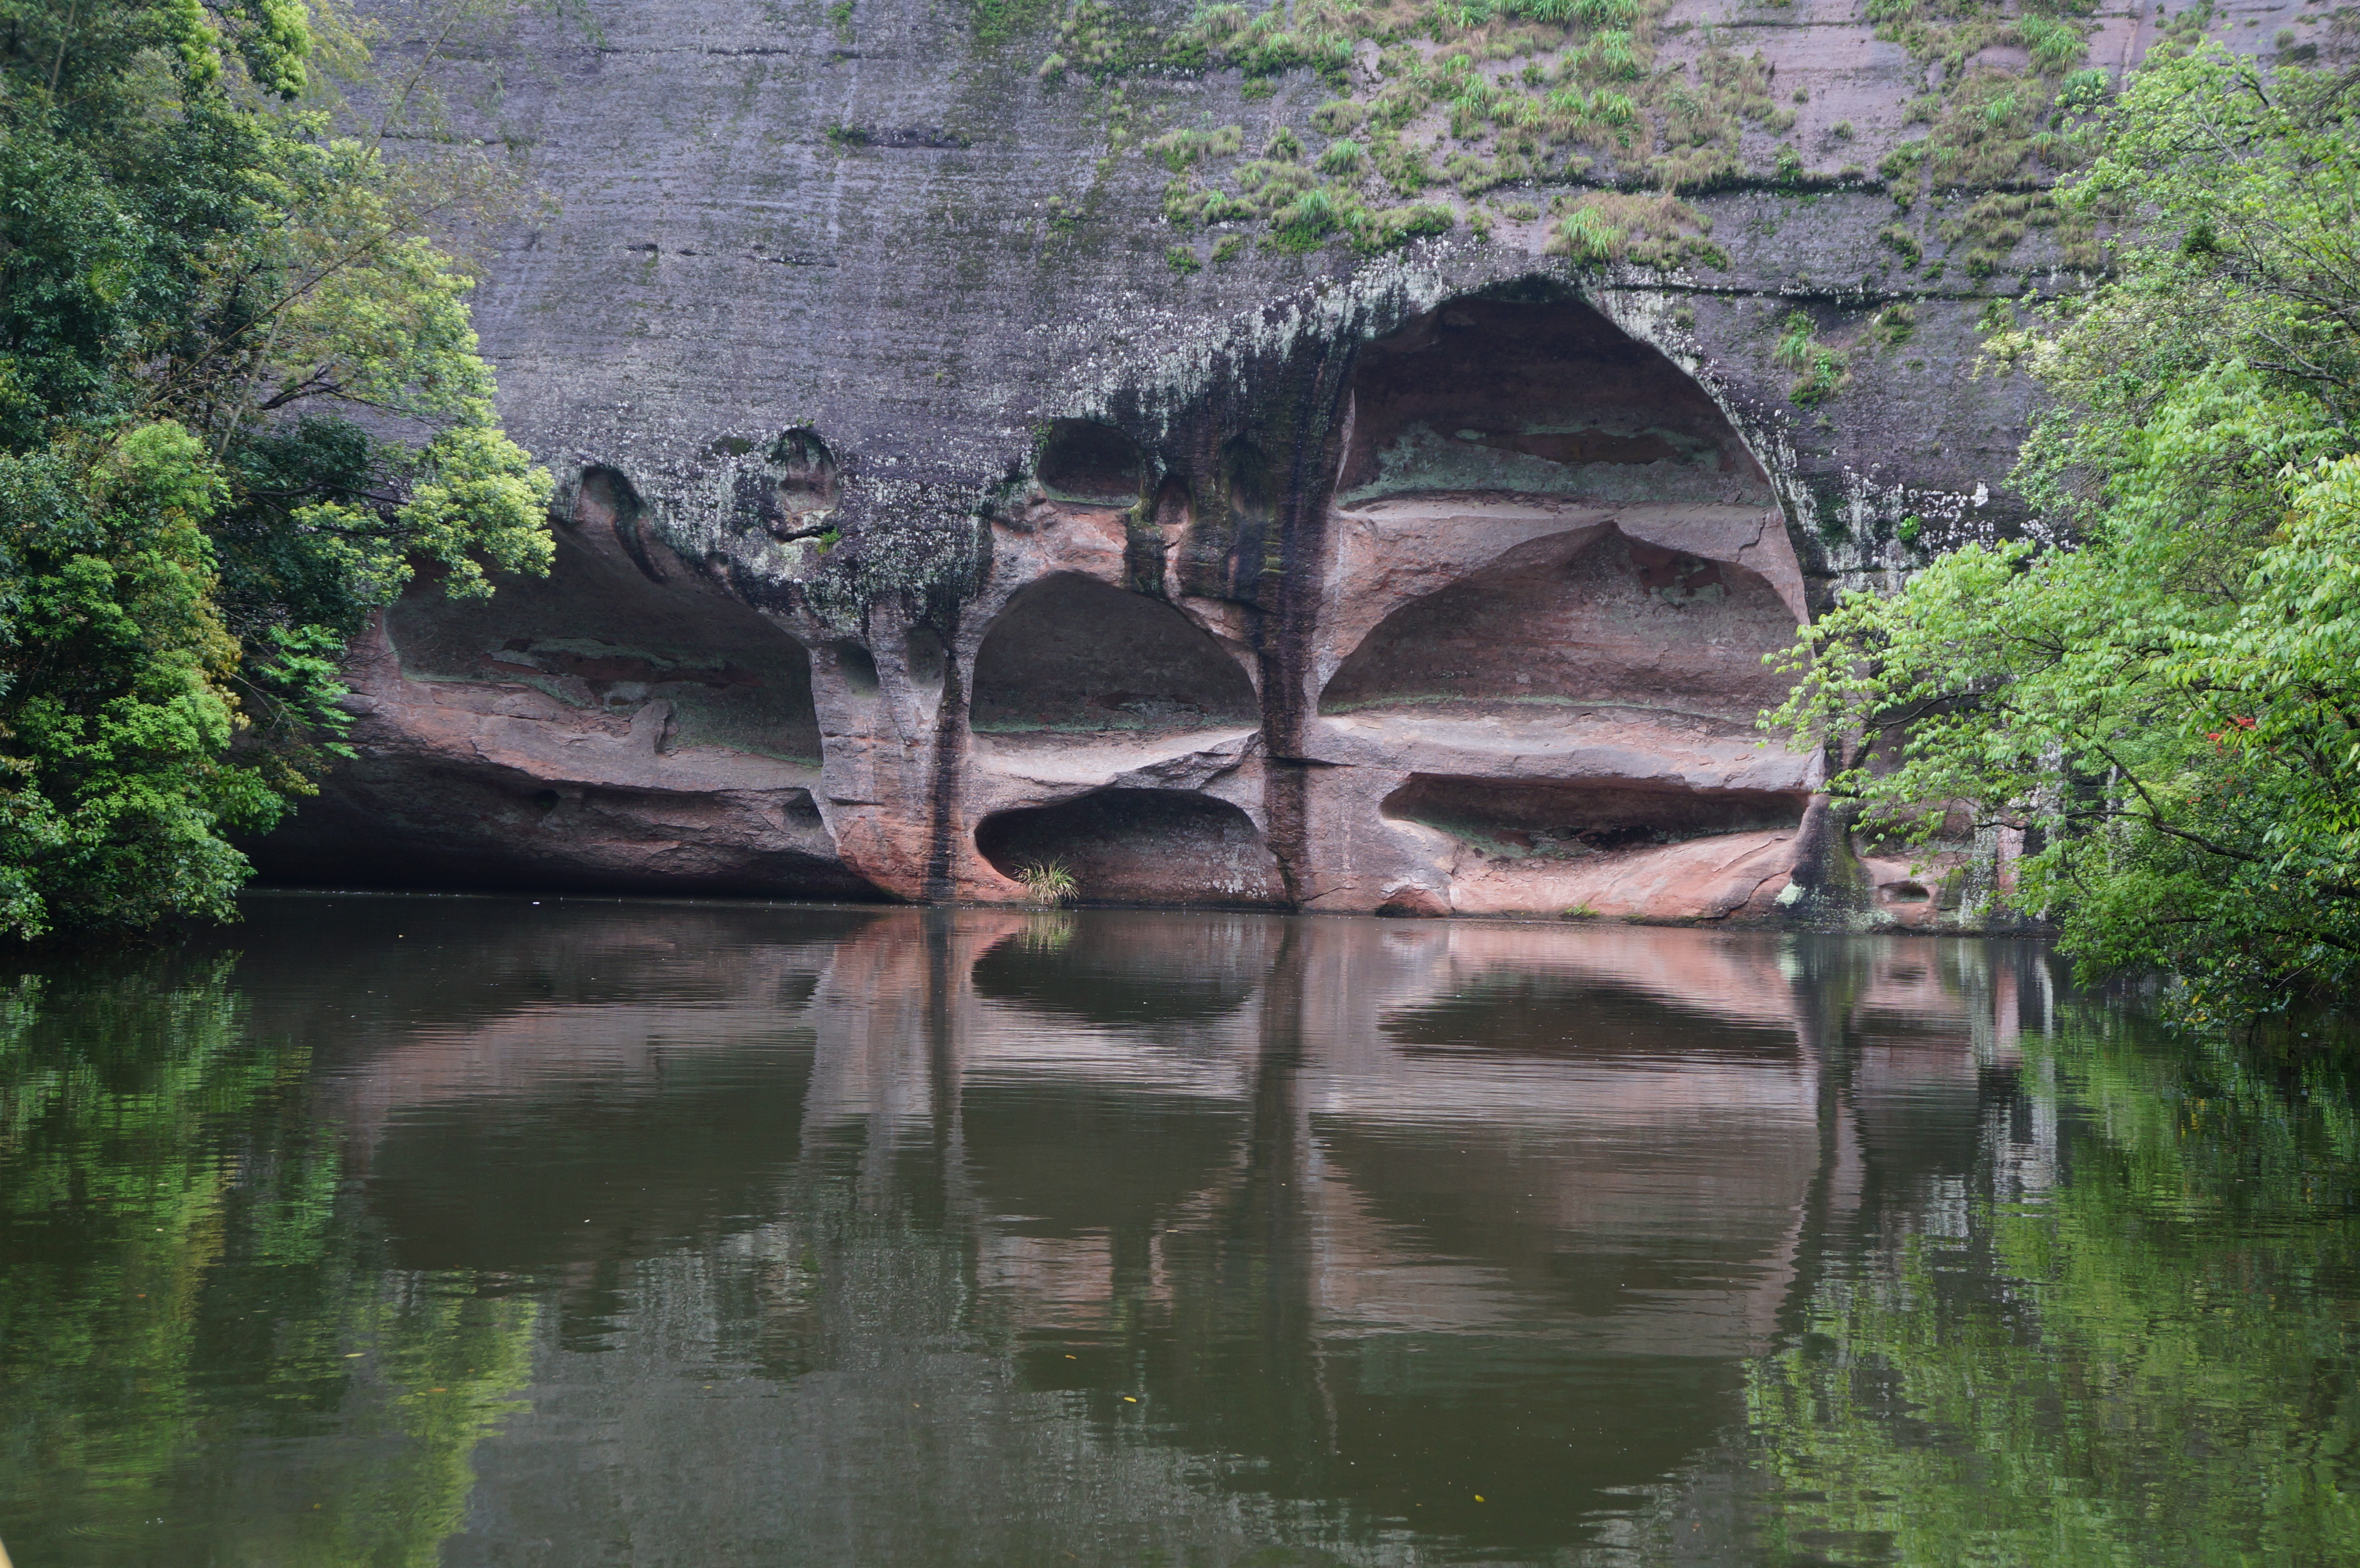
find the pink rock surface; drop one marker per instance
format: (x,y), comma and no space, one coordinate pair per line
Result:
(1522,678)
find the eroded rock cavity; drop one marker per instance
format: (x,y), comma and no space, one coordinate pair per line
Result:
(1468,616)
(621,723)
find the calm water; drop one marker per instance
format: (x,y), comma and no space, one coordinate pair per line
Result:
(414,1231)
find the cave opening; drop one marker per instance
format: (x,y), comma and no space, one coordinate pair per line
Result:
(1587,618)
(1086,462)
(1537,398)
(1549,818)
(1070,653)
(599,638)
(1140,846)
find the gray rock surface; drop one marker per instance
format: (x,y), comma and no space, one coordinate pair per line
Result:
(924,487)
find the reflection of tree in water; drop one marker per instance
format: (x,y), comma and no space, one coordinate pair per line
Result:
(179,1280)
(2143,1357)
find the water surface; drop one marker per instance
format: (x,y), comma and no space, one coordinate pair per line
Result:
(475,1231)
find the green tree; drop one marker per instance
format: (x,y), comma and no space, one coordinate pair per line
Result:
(2164,686)
(239,396)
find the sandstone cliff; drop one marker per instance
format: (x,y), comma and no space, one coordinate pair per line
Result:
(1340,458)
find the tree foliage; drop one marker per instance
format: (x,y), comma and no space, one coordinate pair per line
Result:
(2165,694)
(240,397)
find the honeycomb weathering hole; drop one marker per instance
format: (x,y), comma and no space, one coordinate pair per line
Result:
(1092,462)
(1566,819)
(1485,395)
(1583,618)
(606,495)
(804,476)
(1146,846)
(1070,653)
(733,678)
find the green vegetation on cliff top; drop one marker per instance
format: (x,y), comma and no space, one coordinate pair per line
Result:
(210,274)
(1440,101)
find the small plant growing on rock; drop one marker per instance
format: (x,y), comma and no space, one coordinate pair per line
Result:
(1823,371)
(1303,223)
(1047,883)
(1344,158)
(1092,37)
(1339,116)
(1649,231)
(2055,44)
(1399,225)
(2084,91)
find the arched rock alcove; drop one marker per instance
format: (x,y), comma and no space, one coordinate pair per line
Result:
(1086,462)
(1554,568)
(614,724)
(598,639)
(1070,653)
(1146,846)
(1592,617)
(1536,399)
(1574,818)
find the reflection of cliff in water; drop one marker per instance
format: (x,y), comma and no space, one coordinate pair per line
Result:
(1323,1212)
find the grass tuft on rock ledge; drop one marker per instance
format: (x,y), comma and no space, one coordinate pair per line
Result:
(1047,883)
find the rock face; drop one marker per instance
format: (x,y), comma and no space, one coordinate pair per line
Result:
(928,515)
